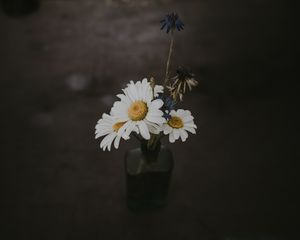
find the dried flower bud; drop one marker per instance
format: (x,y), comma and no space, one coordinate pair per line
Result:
(152,82)
(183,80)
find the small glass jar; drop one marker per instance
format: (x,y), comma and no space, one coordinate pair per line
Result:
(148,174)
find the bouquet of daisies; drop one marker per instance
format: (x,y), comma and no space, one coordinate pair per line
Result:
(146,110)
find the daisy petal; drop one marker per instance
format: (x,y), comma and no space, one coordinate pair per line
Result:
(117,141)
(106,140)
(123,128)
(167,129)
(158,120)
(176,133)
(158,89)
(183,135)
(129,129)
(189,129)
(171,138)
(144,130)
(157,103)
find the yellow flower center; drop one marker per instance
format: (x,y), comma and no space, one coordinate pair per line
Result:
(137,111)
(175,122)
(117,126)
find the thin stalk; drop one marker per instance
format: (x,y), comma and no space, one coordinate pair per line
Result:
(169,60)
(160,136)
(150,142)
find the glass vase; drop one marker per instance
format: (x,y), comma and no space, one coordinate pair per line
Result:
(148,174)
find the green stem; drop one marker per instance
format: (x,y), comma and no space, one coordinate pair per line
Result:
(169,60)
(152,142)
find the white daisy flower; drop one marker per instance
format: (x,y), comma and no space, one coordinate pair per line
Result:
(138,109)
(157,90)
(109,126)
(179,124)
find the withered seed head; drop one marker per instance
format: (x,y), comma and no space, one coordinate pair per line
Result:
(183,80)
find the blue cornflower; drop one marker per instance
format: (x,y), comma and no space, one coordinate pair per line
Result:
(168,106)
(171,21)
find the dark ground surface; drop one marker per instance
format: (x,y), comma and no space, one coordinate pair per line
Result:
(61,68)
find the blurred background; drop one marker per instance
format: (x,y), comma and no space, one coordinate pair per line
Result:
(63,61)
